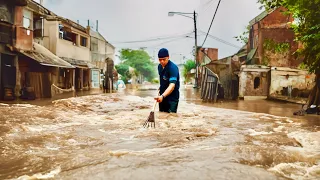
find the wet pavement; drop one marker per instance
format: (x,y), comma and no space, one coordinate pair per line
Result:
(101,137)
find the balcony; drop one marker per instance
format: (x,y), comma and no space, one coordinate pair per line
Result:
(6,34)
(68,49)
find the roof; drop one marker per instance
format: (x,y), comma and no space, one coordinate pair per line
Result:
(44,57)
(80,63)
(258,18)
(75,62)
(67,21)
(251,54)
(50,16)
(38,8)
(97,35)
(261,16)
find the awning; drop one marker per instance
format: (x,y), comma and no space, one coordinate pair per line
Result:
(80,63)
(45,57)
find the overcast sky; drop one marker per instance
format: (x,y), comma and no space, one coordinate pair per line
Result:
(135,20)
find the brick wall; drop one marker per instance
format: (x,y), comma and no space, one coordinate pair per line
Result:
(279,35)
(275,19)
(24,37)
(211,52)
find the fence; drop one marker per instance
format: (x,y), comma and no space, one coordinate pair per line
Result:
(209,85)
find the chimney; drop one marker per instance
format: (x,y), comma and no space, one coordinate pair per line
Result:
(88,27)
(41,2)
(97,26)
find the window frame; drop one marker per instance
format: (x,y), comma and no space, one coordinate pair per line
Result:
(24,17)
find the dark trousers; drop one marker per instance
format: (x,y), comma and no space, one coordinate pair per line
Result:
(168,106)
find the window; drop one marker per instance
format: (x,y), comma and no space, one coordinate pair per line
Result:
(83,41)
(256,82)
(37,28)
(66,34)
(27,19)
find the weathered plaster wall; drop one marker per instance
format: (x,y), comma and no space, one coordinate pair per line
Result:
(282,78)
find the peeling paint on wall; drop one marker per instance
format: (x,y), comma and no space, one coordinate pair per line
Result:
(300,82)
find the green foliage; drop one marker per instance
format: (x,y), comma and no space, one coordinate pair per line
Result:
(244,37)
(270,45)
(140,61)
(123,69)
(307,28)
(155,81)
(190,64)
(303,66)
(265,61)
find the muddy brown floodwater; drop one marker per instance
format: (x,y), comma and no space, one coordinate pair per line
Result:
(101,137)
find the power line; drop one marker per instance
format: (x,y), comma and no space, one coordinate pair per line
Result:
(208,5)
(152,39)
(211,22)
(168,41)
(221,40)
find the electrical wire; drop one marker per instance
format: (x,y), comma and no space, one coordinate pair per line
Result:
(211,22)
(221,40)
(153,39)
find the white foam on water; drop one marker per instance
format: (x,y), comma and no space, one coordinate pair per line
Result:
(49,175)
(25,105)
(53,148)
(256,133)
(128,138)
(265,117)
(280,129)
(191,120)
(310,141)
(50,127)
(297,170)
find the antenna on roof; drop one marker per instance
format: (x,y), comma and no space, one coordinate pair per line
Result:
(97,25)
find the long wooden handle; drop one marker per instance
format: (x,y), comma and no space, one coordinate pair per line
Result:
(155,103)
(154,106)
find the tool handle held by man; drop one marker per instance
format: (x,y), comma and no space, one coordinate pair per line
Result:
(154,106)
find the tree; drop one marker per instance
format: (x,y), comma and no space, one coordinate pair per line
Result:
(123,70)
(190,64)
(140,60)
(307,30)
(244,36)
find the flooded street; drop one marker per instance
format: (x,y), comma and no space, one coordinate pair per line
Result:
(101,137)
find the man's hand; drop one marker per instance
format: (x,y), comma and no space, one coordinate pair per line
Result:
(159,99)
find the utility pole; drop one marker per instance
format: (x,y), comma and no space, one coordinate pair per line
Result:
(195,48)
(195,38)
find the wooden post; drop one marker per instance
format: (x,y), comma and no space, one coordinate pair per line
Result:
(81,78)
(73,79)
(1,90)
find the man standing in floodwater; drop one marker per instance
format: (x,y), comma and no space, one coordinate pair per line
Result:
(169,83)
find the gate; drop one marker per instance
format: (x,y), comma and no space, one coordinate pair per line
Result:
(209,85)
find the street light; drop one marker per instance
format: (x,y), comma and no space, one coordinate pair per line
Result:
(195,37)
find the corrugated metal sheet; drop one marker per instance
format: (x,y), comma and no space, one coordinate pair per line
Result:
(251,54)
(75,61)
(80,63)
(259,17)
(45,57)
